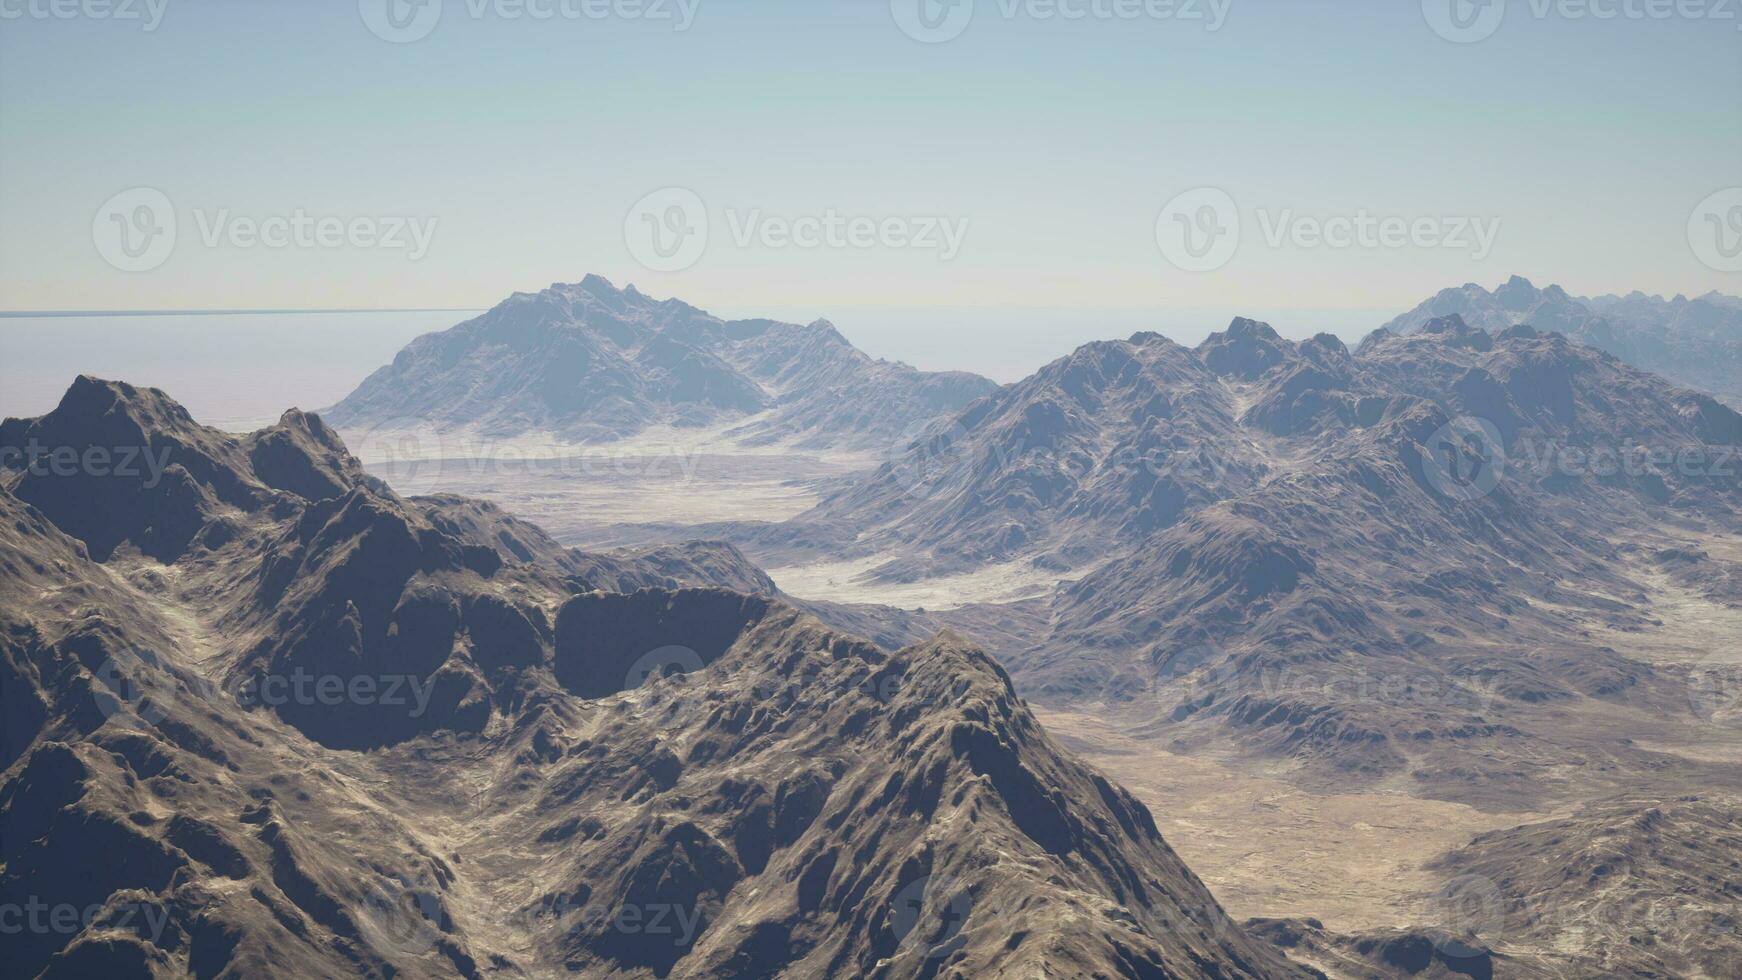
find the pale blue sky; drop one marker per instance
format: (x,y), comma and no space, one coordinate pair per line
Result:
(1059,142)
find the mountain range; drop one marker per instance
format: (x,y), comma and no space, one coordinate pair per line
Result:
(1249,529)
(1477,559)
(1484,567)
(588,362)
(1693,342)
(263,716)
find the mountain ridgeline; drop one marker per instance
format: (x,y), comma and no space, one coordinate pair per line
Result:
(1694,342)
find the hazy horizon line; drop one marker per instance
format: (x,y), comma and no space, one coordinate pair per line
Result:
(20,314)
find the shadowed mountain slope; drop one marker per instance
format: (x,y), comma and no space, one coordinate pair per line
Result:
(559,778)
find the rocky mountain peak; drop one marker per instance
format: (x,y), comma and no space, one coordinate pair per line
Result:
(1324,347)
(1453,324)
(826,330)
(112,408)
(1243,328)
(1517,293)
(302,455)
(1246,350)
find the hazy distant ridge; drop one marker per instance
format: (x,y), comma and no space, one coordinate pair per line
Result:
(1694,342)
(592,363)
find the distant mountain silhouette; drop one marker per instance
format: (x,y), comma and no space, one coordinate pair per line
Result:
(1694,342)
(590,362)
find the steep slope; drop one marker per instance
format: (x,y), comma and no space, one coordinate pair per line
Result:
(663,782)
(1117,440)
(1695,342)
(591,363)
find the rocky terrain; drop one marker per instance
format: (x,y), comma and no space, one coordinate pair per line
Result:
(1624,887)
(263,716)
(1471,566)
(1490,569)
(590,363)
(1694,342)
(1397,560)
